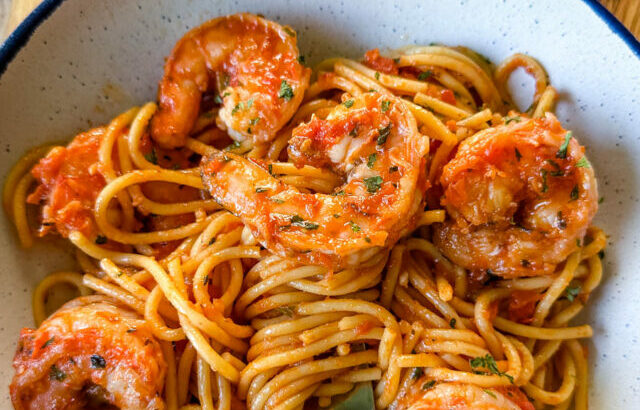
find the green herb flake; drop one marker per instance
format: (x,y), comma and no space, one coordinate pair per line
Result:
(152,156)
(48,342)
(131,330)
(206,280)
(515,118)
(296,220)
(101,240)
(270,168)
(571,292)
(518,155)
(383,134)
(354,132)
(425,75)
(239,106)
(354,226)
(583,163)
(336,216)
(301,59)
(416,373)
(393,169)
(373,184)
(385,105)
(489,363)
(339,193)
(377,75)
(289,31)
(525,263)
(217,99)
(372,159)
(250,103)
(348,103)
(277,201)
(562,151)
(490,393)
(452,323)
(367,239)
(98,362)
(428,385)
(56,374)
(601,200)
(562,223)
(545,187)
(260,190)
(286,92)
(234,145)
(286,311)
(575,193)
(557,171)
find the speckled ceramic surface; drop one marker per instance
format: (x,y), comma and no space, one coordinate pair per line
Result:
(91,59)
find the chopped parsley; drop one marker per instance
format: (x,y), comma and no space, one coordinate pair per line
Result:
(428,385)
(452,323)
(385,105)
(562,224)
(383,134)
(289,31)
(296,220)
(367,239)
(562,151)
(339,193)
(277,201)
(250,103)
(254,121)
(557,171)
(270,168)
(348,103)
(56,374)
(490,393)
(336,216)
(260,190)
(354,132)
(373,184)
(571,292)
(354,226)
(525,263)
(98,362)
(515,118)
(234,145)
(133,329)
(206,280)
(583,163)
(285,310)
(217,99)
(416,373)
(286,91)
(393,168)
(101,240)
(372,160)
(152,156)
(48,342)
(575,193)
(424,75)
(601,200)
(545,187)
(377,75)
(301,59)
(489,363)
(518,154)
(239,106)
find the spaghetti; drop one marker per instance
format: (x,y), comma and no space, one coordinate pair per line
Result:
(241,326)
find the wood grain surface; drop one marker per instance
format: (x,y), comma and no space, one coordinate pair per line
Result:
(627,11)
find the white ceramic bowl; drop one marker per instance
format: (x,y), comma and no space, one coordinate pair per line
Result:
(77,63)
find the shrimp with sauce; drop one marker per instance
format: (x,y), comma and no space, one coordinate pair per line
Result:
(520,198)
(254,64)
(372,142)
(426,395)
(69,183)
(90,353)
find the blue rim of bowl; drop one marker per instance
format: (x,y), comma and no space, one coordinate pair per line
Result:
(20,36)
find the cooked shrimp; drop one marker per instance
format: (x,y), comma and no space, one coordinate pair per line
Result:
(372,142)
(69,183)
(425,395)
(90,353)
(257,74)
(520,198)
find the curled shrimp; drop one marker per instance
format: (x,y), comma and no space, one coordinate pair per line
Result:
(427,395)
(371,141)
(90,353)
(520,198)
(254,64)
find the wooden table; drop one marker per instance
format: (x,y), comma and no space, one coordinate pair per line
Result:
(627,11)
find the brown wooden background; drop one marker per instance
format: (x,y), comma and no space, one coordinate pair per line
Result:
(627,11)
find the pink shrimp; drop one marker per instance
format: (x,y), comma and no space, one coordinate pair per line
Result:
(520,198)
(254,64)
